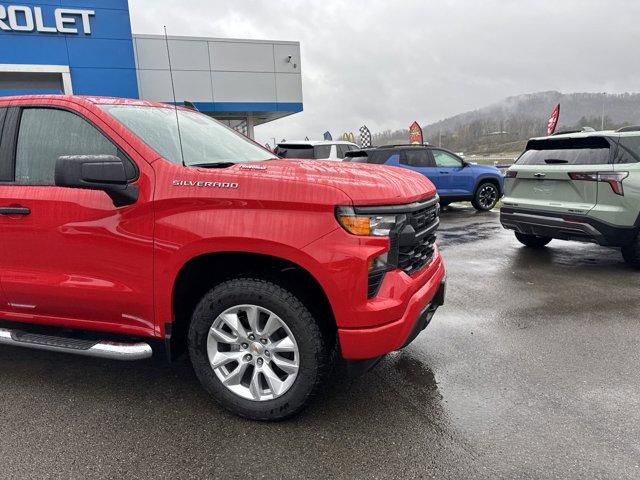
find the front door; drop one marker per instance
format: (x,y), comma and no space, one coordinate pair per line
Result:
(459,178)
(69,256)
(419,160)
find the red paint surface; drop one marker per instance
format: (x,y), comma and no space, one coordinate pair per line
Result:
(81,262)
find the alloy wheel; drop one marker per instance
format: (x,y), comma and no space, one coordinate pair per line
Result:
(253,352)
(487,196)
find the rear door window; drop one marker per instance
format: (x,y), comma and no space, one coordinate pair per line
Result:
(6,167)
(374,157)
(322,151)
(566,151)
(415,158)
(628,150)
(342,150)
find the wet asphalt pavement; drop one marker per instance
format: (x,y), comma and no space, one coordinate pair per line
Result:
(530,370)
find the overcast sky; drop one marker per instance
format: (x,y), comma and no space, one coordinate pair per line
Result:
(386,63)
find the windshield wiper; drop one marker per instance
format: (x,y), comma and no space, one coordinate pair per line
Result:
(554,160)
(213,165)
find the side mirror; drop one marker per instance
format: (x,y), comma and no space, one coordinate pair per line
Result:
(98,172)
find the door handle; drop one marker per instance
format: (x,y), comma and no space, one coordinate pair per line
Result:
(14,211)
(445,172)
(539,175)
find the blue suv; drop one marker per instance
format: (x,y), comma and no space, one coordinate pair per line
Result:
(455,179)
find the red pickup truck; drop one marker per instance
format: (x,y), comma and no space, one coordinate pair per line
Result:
(130,227)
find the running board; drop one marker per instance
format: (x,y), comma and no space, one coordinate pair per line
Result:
(87,348)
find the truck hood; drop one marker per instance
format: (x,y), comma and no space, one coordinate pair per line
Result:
(364,184)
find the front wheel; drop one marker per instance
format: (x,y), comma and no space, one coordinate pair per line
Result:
(486,197)
(631,253)
(533,241)
(257,349)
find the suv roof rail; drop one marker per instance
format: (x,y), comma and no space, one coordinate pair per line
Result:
(395,145)
(630,128)
(565,132)
(582,130)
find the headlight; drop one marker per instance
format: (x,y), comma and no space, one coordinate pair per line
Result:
(366,225)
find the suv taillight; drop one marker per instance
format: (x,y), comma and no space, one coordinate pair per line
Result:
(612,178)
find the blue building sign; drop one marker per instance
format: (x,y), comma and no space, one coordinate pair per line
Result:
(86,44)
(86,47)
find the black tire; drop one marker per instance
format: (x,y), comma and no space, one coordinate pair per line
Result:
(486,196)
(631,253)
(533,241)
(314,357)
(444,203)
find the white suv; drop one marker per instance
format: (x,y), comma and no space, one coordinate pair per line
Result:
(319,150)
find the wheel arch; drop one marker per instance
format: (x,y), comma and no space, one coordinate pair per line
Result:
(204,271)
(488,178)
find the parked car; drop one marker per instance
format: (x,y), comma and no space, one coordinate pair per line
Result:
(319,150)
(121,236)
(581,186)
(455,179)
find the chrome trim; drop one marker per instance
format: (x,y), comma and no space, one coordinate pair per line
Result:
(404,208)
(22,305)
(102,349)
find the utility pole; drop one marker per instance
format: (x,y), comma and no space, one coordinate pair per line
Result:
(604,94)
(440,138)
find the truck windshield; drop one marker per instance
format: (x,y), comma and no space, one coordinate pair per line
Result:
(205,141)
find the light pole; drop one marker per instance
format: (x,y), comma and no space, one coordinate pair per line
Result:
(604,95)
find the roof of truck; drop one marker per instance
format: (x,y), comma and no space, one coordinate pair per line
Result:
(313,143)
(91,99)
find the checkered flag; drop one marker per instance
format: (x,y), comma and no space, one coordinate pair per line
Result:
(365,137)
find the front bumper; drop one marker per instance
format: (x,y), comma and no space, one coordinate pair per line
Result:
(566,227)
(372,342)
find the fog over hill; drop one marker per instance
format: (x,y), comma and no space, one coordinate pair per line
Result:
(505,126)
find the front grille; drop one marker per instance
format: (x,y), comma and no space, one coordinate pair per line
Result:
(411,243)
(415,251)
(421,219)
(412,259)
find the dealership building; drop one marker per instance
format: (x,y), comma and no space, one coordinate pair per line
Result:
(86,47)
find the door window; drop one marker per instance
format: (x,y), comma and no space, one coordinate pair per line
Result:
(628,149)
(46,134)
(342,150)
(379,157)
(322,151)
(444,159)
(6,166)
(415,158)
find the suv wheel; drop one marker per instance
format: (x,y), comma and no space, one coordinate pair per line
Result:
(257,349)
(486,197)
(533,241)
(631,253)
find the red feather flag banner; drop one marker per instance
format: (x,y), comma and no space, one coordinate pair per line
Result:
(553,120)
(415,133)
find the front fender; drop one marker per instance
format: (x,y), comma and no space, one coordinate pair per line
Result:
(167,271)
(490,176)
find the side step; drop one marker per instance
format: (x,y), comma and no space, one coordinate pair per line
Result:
(88,348)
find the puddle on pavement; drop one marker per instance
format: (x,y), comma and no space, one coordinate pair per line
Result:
(460,225)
